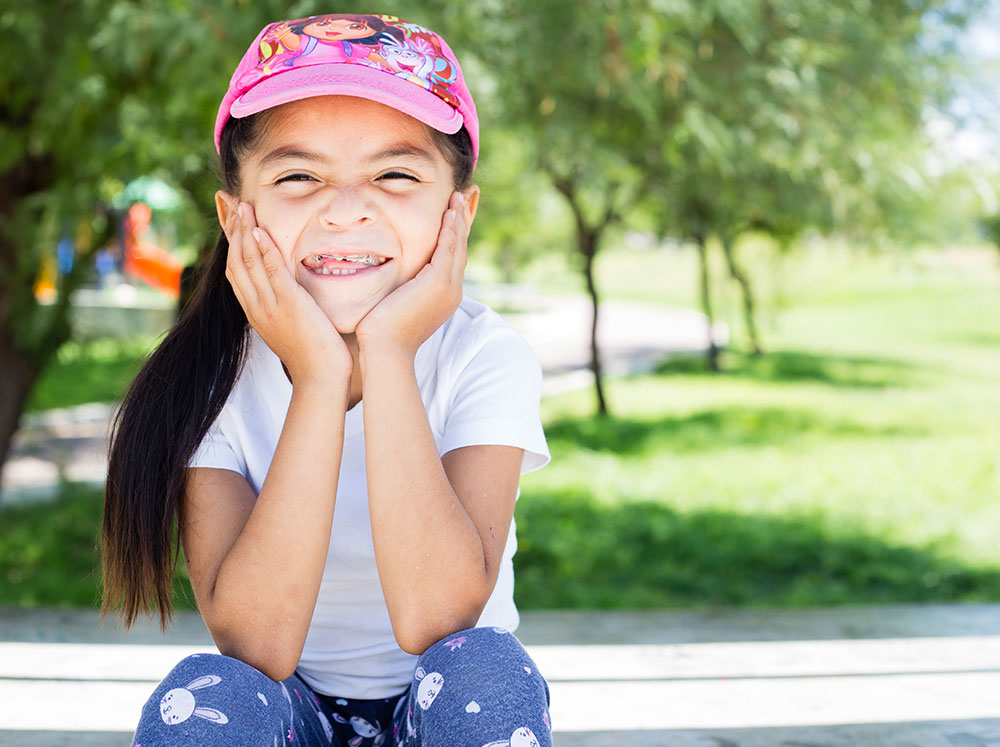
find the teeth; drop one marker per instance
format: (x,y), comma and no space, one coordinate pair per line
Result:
(327,270)
(368,259)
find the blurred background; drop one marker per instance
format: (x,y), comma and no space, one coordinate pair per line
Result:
(755,243)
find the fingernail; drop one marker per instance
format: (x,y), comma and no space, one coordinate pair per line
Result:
(461,199)
(256,233)
(239,210)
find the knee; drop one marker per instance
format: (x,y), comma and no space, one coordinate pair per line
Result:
(177,697)
(481,653)
(202,687)
(479,639)
(479,682)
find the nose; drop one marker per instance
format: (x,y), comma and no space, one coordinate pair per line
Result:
(346,207)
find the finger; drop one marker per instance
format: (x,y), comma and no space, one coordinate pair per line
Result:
(280,278)
(259,268)
(236,269)
(448,236)
(270,245)
(461,225)
(461,241)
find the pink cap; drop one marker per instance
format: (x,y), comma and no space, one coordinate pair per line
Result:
(377,57)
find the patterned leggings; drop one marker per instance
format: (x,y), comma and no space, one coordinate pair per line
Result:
(477,688)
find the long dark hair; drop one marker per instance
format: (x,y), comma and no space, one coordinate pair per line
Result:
(174,400)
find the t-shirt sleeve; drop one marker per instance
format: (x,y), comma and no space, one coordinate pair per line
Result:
(495,400)
(217,449)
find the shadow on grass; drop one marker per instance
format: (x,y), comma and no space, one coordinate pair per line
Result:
(577,553)
(787,366)
(720,428)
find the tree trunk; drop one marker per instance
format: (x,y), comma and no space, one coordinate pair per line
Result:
(17,375)
(712,354)
(587,241)
(507,263)
(23,358)
(743,279)
(588,247)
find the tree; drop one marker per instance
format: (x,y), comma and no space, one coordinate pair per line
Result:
(565,87)
(795,115)
(92,94)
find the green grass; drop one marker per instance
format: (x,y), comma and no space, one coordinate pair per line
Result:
(50,554)
(856,462)
(92,371)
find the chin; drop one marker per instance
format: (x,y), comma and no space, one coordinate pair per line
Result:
(345,321)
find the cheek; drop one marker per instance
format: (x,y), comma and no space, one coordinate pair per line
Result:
(281,225)
(419,248)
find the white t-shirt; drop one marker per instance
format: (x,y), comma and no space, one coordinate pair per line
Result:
(480,383)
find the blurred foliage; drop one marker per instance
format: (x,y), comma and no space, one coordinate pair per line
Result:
(686,117)
(991,227)
(713,118)
(49,553)
(93,371)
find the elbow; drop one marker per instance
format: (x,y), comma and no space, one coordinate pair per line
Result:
(422,628)
(269,652)
(416,642)
(272,647)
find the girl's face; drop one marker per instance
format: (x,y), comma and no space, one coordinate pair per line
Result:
(338,29)
(337,177)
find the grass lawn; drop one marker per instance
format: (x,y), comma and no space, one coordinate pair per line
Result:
(856,462)
(94,371)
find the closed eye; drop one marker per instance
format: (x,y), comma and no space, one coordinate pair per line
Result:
(294,178)
(398,175)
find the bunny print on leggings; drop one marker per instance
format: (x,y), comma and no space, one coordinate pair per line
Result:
(178,705)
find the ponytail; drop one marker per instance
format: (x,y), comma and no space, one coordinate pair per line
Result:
(163,417)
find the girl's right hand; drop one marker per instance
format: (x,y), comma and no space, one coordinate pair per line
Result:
(278,308)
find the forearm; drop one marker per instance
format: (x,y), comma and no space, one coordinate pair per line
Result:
(263,596)
(430,556)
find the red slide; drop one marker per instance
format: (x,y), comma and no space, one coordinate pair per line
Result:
(153,265)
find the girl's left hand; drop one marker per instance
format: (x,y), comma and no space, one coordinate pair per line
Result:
(413,311)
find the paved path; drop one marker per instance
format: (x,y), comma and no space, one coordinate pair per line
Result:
(903,676)
(69,445)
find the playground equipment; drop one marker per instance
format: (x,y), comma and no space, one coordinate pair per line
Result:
(153,265)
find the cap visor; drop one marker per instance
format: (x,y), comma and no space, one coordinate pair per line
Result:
(346,79)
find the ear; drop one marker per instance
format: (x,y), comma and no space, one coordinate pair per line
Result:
(471,194)
(225,204)
(207,680)
(211,714)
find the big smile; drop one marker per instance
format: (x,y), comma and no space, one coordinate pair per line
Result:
(352,264)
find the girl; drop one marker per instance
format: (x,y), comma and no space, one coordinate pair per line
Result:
(336,432)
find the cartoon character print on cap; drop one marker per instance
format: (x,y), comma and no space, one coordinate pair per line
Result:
(178,705)
(385,43)
(429,688)
(522,737)
(419,62)
(334,37)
